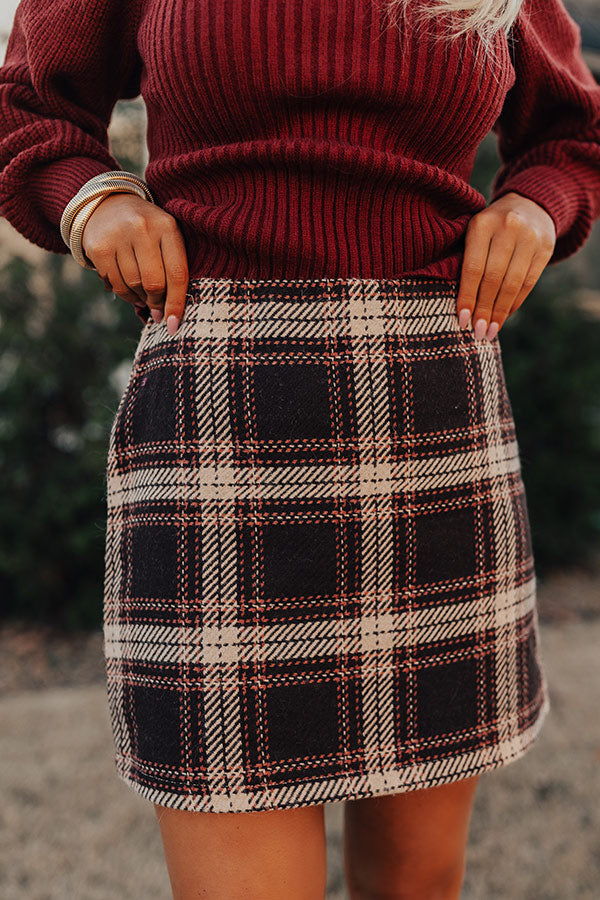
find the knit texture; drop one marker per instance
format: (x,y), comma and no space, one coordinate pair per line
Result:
(299,138)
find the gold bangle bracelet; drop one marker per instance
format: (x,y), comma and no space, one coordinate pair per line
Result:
(79,224)
(116,173)
(85,212)
(90,190)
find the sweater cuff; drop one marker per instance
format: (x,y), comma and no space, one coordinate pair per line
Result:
(559,192)
(53,184)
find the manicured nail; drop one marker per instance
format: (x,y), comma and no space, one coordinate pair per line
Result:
(480,328)
(172,323)
(464,317)
(492,331)
(157,315)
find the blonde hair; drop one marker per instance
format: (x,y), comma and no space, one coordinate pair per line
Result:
(482,20)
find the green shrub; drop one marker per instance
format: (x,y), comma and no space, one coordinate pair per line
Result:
(57,401)
(550,349)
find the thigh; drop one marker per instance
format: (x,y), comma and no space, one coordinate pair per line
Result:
(264,854)
(408,841)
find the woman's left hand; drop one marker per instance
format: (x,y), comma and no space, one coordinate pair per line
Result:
(508,245)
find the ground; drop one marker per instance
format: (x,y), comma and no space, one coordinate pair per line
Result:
(71,829)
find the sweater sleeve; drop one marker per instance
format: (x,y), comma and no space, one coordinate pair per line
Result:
(66,65)
(549,127)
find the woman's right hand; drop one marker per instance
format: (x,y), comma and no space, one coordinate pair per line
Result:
(139,252)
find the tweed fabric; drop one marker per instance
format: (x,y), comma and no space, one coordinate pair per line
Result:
(319,579)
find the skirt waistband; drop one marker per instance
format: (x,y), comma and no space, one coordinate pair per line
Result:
(296,307)
(420,289)
(206,288)
(438,282)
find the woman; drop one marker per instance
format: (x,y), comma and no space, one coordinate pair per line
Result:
(319,576)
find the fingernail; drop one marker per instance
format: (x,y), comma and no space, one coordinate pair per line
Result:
(480,328)
(464,316)
(172,323)
(157,315)
(492,331)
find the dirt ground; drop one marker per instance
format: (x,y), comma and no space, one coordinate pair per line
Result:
(72,830)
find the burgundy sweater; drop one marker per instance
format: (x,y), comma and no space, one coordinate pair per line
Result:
(299,138)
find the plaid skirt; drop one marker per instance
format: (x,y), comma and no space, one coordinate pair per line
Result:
(319,581)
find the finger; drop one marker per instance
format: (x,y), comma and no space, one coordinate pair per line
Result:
(107,263)
(130,273)
(176,269)
(512,283)
(152,272)
(536,267)
(500,253)
(477,242)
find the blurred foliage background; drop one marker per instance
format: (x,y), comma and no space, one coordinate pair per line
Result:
(65,353)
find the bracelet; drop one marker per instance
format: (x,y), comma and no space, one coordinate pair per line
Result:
(90,191)
(84,213)
(79,223)
(103,183)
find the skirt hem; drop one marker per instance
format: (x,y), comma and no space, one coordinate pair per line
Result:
(353,787)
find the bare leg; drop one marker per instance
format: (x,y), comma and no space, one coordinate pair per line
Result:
(409,846)
(264,855)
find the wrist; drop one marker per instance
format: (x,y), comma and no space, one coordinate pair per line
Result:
(81,206)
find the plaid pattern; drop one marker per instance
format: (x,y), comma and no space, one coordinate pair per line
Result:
(319,579)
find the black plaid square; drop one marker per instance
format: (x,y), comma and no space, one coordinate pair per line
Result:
(292,399)
(157,721)
(160,553)
(444,550)
(154,561)
(445,542)
(165,725)
(440,393)
(154,422)
(436,394)
(153,427)
(303,719)
(441,701)
(298,560)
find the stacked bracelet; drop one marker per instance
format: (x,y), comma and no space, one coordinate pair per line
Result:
(85,211)
(81,206)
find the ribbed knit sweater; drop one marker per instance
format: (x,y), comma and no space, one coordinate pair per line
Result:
(299,138)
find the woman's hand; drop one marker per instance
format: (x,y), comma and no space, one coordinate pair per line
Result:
(139,252)
(508,245)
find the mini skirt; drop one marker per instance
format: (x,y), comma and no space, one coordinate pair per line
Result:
(319,581)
